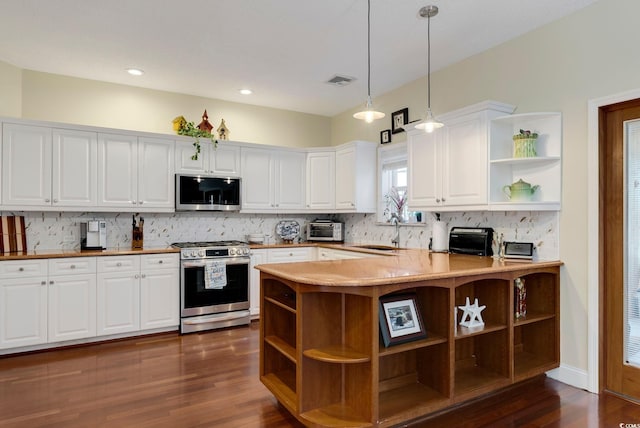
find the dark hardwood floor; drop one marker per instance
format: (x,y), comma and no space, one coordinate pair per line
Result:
(211,380)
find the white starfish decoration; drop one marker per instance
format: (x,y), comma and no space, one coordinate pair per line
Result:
(471,316)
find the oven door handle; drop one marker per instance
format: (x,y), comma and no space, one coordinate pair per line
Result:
(240,261)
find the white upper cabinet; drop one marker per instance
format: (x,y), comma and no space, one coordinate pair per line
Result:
(543,170)
(272,179)
(48,168)
(26,165)
(117,170)
(321,176)
(448,169)
(156,186)
(356,177)
(135,173)
(75,168)
(222,160)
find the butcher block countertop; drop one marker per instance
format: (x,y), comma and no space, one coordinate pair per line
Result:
(52,254)
(402,267)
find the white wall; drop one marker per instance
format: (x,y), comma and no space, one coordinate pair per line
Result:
(558,67)
(65,99)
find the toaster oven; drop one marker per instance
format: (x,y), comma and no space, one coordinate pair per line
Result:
(325,230)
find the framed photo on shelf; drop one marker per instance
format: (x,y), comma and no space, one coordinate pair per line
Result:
(385,136)
(399,119)
(400,319)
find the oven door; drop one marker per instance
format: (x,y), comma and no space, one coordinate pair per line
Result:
(196,299)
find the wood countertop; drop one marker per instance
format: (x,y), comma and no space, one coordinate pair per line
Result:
(53,254)
(403,267)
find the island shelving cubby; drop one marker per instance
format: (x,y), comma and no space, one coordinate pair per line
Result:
(323,357)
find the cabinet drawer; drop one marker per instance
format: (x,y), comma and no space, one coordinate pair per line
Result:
(118,263)
(160,261)
(23,268)
(284,255)
(72,265)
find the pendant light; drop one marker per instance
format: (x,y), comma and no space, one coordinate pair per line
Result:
(429,123)
(369,114)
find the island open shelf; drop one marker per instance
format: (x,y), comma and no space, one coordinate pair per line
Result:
(323,357)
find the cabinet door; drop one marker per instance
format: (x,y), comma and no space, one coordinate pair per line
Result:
(159,298)
(26,165)
(72,307)
(23,308)
(117,170)
(75,168)
(346,178)
(321,176)
(257,257)
(224,159)
(257,179)
(285,255)
(155,173)
(184,164)
(290,180)
(118,303)
(424,168)
(465,161)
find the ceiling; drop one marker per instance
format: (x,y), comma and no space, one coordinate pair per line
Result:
(284,50)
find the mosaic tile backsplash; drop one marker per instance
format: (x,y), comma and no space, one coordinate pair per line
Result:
(61,230)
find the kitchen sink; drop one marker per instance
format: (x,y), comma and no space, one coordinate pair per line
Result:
(376,247)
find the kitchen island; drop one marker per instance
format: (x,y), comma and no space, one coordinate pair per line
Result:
(322,353)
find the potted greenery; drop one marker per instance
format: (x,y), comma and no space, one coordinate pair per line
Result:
(189,129)
(524,144)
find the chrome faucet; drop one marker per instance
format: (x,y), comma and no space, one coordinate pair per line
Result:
(395,220)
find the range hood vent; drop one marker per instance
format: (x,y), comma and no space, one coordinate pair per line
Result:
(340,80)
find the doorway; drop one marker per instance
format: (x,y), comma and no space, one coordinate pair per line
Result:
(619,230)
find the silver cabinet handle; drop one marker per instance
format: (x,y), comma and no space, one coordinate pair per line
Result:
(72,266)
(443,199)
(51,282)
(133,202)
(143,275)
(47,200)
(438,200)
(141,202)
(119,264)
(21,269)
(136,276)
(160,261)
(43,282)
(55,201)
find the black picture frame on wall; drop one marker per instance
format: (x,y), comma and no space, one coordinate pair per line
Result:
(399,119)
(400,319)
(385,136)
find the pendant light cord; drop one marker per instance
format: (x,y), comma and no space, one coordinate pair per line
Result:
(369,48)
(429,62)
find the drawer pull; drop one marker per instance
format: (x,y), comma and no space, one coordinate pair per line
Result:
(21,269)
(72,266)
(119,264)
(43,283)
(160,261)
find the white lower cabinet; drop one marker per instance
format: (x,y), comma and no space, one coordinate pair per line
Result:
(159,291)
(118,295)
(258,257)
(72,298)
(23,302)
(288,254)
(137,293)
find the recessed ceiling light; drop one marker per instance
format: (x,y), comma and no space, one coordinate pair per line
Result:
(246,91)
(135,71)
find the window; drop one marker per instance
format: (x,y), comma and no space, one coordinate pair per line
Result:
(392,163)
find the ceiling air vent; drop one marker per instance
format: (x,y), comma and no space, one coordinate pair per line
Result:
(339,80)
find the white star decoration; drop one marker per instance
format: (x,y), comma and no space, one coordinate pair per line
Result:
(471,316)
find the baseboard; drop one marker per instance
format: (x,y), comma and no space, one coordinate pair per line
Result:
(571,376)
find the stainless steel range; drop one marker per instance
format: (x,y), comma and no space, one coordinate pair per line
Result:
(214,285)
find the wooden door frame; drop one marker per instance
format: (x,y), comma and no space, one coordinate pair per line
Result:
(595,359)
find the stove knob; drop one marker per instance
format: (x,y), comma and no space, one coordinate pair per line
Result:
(201,253)
(245,251)
(192,253)
(232,251)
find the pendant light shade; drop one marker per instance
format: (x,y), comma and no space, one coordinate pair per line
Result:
(369,114)
(429,124)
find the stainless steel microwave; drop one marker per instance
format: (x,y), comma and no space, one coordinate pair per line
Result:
(207,193)
(325,230)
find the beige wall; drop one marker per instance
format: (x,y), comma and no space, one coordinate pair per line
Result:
(559,67)
(10,90)
(65,99)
